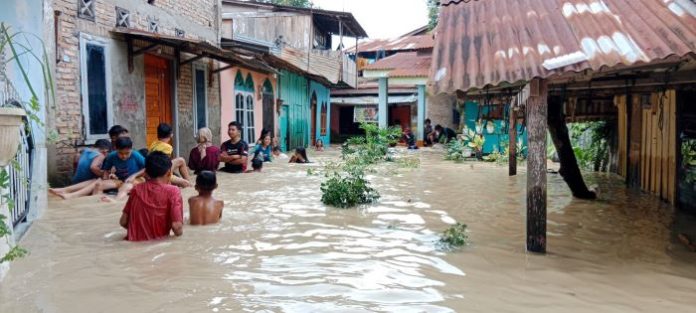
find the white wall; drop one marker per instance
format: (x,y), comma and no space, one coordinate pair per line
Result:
(35,19)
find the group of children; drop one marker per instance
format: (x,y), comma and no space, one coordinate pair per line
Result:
(146,177)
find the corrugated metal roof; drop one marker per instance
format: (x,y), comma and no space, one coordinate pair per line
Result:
(488,42)
(404,64)
(408,43)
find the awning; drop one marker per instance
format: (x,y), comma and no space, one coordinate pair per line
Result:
(199,48)
(369,100)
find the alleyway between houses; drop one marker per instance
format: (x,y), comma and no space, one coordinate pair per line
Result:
(279,249)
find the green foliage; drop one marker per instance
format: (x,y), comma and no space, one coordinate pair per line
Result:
(346,185)
(474,141)
(590,144)
(433,13)
(689,160)
(293,3)
(455,236)
(347,190)
(457,150)
(17,45)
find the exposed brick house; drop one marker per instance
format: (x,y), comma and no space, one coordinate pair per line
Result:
(134,63)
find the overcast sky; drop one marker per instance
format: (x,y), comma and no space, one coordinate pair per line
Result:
(382,18)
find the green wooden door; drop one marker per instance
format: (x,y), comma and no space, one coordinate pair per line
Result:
(284,130)
(294,92)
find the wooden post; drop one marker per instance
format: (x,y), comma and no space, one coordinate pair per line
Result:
(512,149)
(536,166)
(570,171)
(420,114)
(383,102)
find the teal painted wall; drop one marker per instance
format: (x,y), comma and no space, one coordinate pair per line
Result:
(499,136)
(323,99)
(294,91)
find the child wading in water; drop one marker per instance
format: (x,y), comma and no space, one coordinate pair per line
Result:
(300,156)
(155,207)
(162,144)
(203,208)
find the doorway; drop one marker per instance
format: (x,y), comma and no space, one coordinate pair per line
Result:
(313,118)
(158,95)
(268,111)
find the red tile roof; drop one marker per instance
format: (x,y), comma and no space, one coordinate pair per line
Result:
(408,43)
(488,42)
(404,64)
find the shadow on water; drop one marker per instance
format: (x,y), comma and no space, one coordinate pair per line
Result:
(278,249)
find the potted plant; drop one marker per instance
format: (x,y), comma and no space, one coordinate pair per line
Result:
(11,119)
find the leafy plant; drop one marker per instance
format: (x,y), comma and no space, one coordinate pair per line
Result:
(347,190)
(689,160)
(19,48)
(455,236)
(457,150)
(590,144)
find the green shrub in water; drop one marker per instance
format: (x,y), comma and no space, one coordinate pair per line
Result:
(456,151)
(345,191)
(455,236)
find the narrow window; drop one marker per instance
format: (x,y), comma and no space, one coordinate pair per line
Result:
(239,109)
(95,88)
(324,122)
(200,98)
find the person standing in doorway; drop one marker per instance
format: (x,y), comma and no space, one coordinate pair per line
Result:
(428,132)
(234,152)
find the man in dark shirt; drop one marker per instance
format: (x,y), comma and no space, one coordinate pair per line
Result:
(444,134)
(234,152)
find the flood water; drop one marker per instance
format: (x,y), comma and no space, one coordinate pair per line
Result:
(278,249)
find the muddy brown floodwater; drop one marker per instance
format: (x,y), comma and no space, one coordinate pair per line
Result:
(278,249)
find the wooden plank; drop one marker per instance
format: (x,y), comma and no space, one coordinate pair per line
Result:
(537,110)
(620,102)
(653,154)
(643,151)
(672,193)
(664,157)
(658,152)
(512,147)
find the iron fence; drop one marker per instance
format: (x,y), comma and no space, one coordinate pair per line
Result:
(20,178)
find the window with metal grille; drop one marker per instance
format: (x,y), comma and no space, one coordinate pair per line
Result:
(200,97)
(95,79)
(244,109)
(122,17)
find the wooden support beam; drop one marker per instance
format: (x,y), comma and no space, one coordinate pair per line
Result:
(129,44)
(145,49)
(224,68)
(570,171)
(536,166)
(512,149)
(177,61)
(194,59)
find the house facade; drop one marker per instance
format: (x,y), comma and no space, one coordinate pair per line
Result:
(135,64)
(299,47)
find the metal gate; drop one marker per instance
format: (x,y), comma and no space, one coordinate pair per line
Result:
(20,178)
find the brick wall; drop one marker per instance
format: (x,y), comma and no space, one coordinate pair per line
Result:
(198,18)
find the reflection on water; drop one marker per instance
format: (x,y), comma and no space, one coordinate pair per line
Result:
(278,249)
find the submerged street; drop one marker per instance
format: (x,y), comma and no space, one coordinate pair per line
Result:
(279,249)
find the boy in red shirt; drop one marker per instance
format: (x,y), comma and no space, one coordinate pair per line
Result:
(154,208)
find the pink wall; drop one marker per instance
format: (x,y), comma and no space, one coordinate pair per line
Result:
(227,113)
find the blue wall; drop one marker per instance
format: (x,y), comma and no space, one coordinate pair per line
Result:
(494,140)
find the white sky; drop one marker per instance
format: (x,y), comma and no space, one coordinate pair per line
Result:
(381,18)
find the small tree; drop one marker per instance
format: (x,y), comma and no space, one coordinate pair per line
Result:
(293,3)
(433,13)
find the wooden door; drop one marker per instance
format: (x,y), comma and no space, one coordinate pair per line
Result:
(313,118)
(158,95)
(284,128)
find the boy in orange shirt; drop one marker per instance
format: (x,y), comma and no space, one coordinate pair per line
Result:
(162,144)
